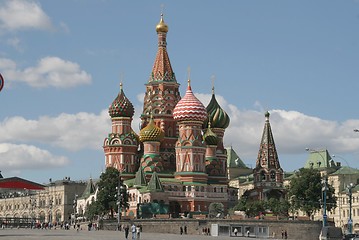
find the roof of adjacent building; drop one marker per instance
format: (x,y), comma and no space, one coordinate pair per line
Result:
(320,159)
(20,183)
(233,160)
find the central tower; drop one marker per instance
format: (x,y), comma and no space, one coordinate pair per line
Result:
(160,99)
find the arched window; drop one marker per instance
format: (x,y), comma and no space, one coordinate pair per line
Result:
(263,176)
(272,176)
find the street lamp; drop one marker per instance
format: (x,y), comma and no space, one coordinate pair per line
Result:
(120,197)
(324,190)
(75,207)
(33,204)
(350,221)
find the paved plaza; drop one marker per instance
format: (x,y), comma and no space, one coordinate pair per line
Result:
(59,234)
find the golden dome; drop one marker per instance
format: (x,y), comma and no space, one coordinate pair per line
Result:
(162,26)
(151,132)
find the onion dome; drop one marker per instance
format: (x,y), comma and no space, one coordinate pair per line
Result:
(121,106)
(151,132)
(161,26)
(189,108)
(210,137)
(219,118)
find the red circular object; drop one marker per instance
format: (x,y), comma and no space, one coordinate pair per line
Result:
(1,82)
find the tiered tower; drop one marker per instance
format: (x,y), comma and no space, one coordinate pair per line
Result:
(268,175)
(160,99)
(190,149)
(218,121)
(121,144)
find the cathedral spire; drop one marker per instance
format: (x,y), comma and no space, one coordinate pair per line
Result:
(162,69)
(267,155)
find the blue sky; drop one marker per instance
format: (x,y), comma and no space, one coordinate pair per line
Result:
(62,62)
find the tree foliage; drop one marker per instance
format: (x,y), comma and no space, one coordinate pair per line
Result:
(305,192)
(107,194)
(254,208)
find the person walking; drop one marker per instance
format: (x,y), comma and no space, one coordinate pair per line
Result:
(181,230)
(133,230)
(235,232)
(138,231)
(127,229)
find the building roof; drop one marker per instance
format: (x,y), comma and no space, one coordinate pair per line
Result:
(320,159)
(20,183)
(267,155)
(233,160)
(344,170)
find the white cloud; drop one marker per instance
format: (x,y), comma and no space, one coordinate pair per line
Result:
(50,71)
(23,14)
(68,131)
(14,157)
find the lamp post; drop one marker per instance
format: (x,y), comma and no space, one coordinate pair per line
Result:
(350,221)
(33,206)
(120,188)
(324,190)
(75,207)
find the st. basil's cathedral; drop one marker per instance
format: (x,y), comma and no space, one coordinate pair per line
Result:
(178,158)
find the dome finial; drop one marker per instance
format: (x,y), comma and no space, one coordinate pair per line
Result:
(189,76)
(213,77)
(121,81)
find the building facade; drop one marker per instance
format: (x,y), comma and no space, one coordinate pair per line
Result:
(52,204)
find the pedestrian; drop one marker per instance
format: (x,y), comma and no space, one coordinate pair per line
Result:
(138,231)
(235,232)
(127,229)
(185,229)
(248,232)
(282,234)
(133,230)
(181,230)
(285,234)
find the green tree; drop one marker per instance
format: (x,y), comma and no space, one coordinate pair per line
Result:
(94,209)
(305,192)
(216,209)
(107,194)
(278,206)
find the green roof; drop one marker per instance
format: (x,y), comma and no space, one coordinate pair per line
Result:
(344,170)
(320,159)
(233,159)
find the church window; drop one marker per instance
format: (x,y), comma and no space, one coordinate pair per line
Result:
(263,176)
(272,176)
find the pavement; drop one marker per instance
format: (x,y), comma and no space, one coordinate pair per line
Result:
(60,234)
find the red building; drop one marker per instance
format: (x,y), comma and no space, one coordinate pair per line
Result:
(178,158)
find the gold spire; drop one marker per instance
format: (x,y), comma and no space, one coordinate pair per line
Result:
(162,26)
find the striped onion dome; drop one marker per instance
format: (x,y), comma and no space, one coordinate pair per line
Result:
(151,132)
(210,137)
(121,106)
(189,108)
(219,118)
